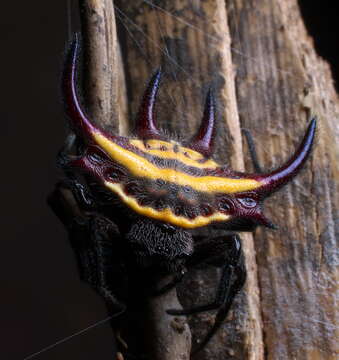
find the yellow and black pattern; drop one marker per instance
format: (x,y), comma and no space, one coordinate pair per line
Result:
(181,198)
(140,167)
(183,212)
(174,151)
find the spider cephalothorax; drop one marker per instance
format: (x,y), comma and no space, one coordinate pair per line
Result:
(167,188)
(161,179)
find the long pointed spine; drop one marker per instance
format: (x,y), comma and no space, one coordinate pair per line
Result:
(146,123)
(274,180)
(204,139)
(79,121)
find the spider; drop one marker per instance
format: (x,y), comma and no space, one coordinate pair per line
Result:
(141,199)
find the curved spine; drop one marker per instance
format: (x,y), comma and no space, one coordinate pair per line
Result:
(145,123)
(79,122)
(277,178)
(204,139)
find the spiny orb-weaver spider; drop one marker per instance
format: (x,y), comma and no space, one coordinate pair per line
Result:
(142,197)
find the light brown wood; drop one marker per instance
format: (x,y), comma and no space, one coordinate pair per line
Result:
(104,85)
(281,83)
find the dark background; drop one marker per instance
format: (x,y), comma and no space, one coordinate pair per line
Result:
(42,300)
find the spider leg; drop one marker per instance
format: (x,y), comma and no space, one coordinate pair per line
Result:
(231,249)
(240,278)
(221,295)
(177,278)
(92,237)
(64,155)
(100,258)
(217,251)
(252,150)
(205,252)
(81,192)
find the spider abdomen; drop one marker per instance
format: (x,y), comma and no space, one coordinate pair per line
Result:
(163,180)
(169,203)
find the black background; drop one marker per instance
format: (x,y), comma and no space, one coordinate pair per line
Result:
(42,299)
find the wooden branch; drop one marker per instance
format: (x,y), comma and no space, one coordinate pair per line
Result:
(104,85)
(169,337)
(281,82)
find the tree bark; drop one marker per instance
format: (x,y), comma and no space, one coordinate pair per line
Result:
(104,82)
(281,83)
(268,79)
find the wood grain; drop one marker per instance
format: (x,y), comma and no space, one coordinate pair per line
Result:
(104,84)
(281,82)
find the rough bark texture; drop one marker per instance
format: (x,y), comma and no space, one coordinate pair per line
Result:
(101,56)
(280,83)
(168,337)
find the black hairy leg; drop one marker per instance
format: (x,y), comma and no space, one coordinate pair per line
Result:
(97,264)
(224,252)
(95,241)
(239,272)
(213,251)
(177,278)
(92,237)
